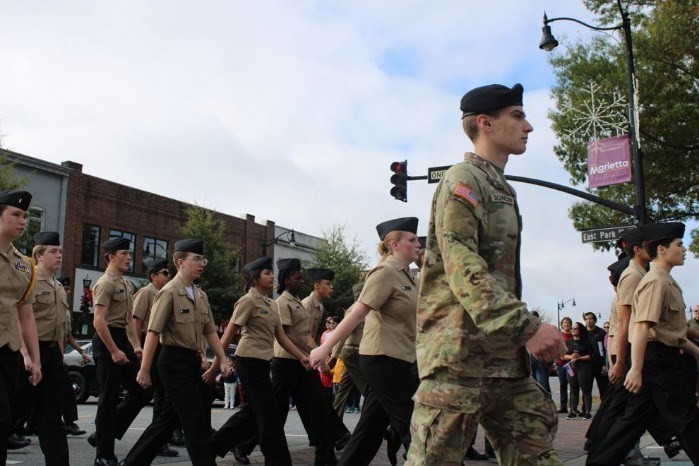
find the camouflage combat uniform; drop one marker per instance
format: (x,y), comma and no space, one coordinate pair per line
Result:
(472,328)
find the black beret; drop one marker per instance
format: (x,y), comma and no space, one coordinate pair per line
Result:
(656,231)
(113,245)
(47,238)
(292,265)
(321,274)
(618,267)
(156,266)
(19,199)
(486,99)
(65,281)
(259,264)
(634,236)
(397,224)
(423,241)
(193,245)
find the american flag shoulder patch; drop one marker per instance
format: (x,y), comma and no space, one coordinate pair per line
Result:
(464,192)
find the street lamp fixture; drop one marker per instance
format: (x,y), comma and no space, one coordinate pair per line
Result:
(548,43)
(562,305)
(291,237)
(87,281)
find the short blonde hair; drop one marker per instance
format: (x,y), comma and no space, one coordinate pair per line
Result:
(38,250)
(384,247)
(177,255)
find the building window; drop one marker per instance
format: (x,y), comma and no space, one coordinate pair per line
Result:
(153,249)
(131,237)
(90,253)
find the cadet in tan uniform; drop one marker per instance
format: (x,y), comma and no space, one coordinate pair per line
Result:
(17,277)
(387,351)
(257,316)
(348,350)
(179,323)
(322,289)
(115,348)
(158,276)
(50,313)
(474,332)
(660,355)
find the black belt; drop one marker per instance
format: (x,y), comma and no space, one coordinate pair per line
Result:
(48,344)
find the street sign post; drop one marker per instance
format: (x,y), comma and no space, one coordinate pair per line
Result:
(604,234)
(434,174)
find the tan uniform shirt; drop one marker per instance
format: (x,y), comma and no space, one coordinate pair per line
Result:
(179,320)
(613,324)
(142,302)
(293,314)
(116,294)
(315,310)
(50,306)
(256,315)
(391,293)
(15,276)
(658,300)
(625,289)
(67,326)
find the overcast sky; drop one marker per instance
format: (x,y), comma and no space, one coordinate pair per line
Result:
(293,110)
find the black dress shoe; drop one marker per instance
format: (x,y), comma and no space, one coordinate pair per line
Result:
(240,457)
(15,442)
(177,438)
(106,462)
(672,449)
(342,441)
(73,429)
(166,451)
(472,454)
(92,439)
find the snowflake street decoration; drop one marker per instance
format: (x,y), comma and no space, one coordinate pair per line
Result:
(595,117)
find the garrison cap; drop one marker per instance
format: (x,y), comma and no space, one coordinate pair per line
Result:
(423,241)
(618,267)
(47,238)
(656,231)
(113,245)
(65,281)
(321,274)
(156,266)
(259,264)
(193,245)
(292,265)
(486,99)
(397,224)
(14,198)
(632,236)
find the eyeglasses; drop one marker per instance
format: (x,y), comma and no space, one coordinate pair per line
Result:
(199,259)
(164,273)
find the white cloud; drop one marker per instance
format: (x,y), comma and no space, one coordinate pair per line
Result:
(289,111)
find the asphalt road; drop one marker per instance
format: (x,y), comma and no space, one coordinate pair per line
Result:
(82,454)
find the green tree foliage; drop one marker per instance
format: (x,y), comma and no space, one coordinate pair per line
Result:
(345,257)
(221,281)
(666,46)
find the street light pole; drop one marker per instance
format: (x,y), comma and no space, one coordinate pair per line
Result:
(291,237)
(549,42)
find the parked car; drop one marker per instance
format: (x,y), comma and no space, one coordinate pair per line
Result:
(83,376)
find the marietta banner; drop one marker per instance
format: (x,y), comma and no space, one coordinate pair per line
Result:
(608,161)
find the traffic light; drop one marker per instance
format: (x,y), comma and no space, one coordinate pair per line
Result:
(399,179)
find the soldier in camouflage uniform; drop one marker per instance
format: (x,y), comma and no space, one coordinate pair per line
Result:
(473,329)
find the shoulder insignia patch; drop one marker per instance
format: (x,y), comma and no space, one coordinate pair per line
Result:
(22,267)
(466,193)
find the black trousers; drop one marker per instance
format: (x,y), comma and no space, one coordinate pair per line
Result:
(112,420)
(665,392)
(180,374)
(47,404)
(391,383)
(10,363)
(69,407)
(581,381)
(600,377)
(613,406)
(260,413)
